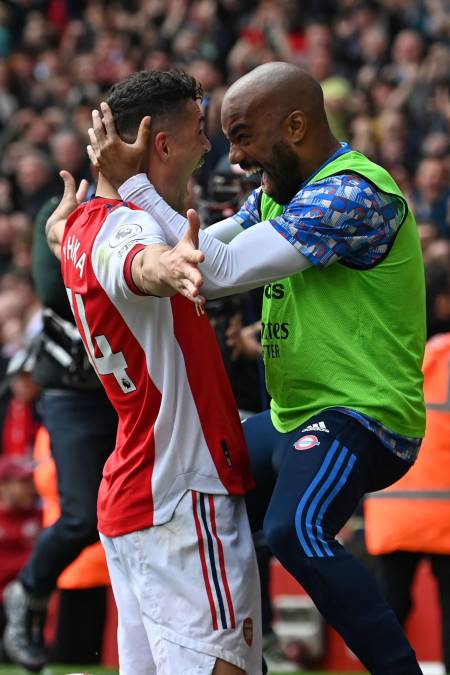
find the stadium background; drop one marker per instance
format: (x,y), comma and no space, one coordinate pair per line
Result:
(385,70)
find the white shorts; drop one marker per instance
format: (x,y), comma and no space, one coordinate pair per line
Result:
(187,592)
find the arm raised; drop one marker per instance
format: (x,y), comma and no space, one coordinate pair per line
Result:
(71,199)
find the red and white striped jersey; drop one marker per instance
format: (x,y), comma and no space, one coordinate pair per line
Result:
(161,367)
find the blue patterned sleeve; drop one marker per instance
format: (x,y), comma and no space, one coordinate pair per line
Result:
(342,217)
(248,214)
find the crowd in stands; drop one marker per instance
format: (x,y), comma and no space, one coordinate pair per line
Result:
(384,66)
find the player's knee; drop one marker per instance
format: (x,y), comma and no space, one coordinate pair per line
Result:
(291,538)
(87,531)
(281,535)
(81,529)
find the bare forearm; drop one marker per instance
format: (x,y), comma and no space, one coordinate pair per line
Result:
(148,272)
(56,224)
(54,232)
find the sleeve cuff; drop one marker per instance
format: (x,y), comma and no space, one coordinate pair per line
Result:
(127,269)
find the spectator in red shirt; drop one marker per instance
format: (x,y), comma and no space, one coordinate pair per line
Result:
(20,520)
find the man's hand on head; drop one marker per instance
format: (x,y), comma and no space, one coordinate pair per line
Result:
(54,228)
(116,159)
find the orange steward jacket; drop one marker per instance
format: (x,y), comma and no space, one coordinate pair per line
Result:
(414,513)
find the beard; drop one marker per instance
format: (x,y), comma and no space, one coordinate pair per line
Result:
(284,175)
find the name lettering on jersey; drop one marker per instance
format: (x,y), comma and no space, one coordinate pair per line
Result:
(71,250)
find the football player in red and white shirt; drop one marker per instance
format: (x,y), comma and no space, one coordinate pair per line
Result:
(170,510)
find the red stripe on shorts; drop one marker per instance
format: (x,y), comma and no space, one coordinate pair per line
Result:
(212,512)
(201,549)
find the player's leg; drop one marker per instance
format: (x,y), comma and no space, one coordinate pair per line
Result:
(80,627)
(135,656)
(395,573)
(82,428)
(440,564)
(322,477)
(199,588)
(261,437)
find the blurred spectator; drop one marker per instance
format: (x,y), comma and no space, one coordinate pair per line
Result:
(21,421)
(35,181)
(85,87)
(362,136)
(427,235)
(68,152)
(438,294)
(436,144)
(20,522)
(394,148)
(8,102)
(431,195)
(267,36)
(438,251)
(206,73)
(406,54)
(336,92)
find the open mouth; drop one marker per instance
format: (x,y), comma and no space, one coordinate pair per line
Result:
(251,170)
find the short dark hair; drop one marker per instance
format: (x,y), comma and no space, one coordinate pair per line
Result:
(160,94)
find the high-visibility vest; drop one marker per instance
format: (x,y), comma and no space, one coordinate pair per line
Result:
(414,513)
(89,569)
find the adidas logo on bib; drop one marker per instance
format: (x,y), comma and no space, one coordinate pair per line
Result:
(317,426)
